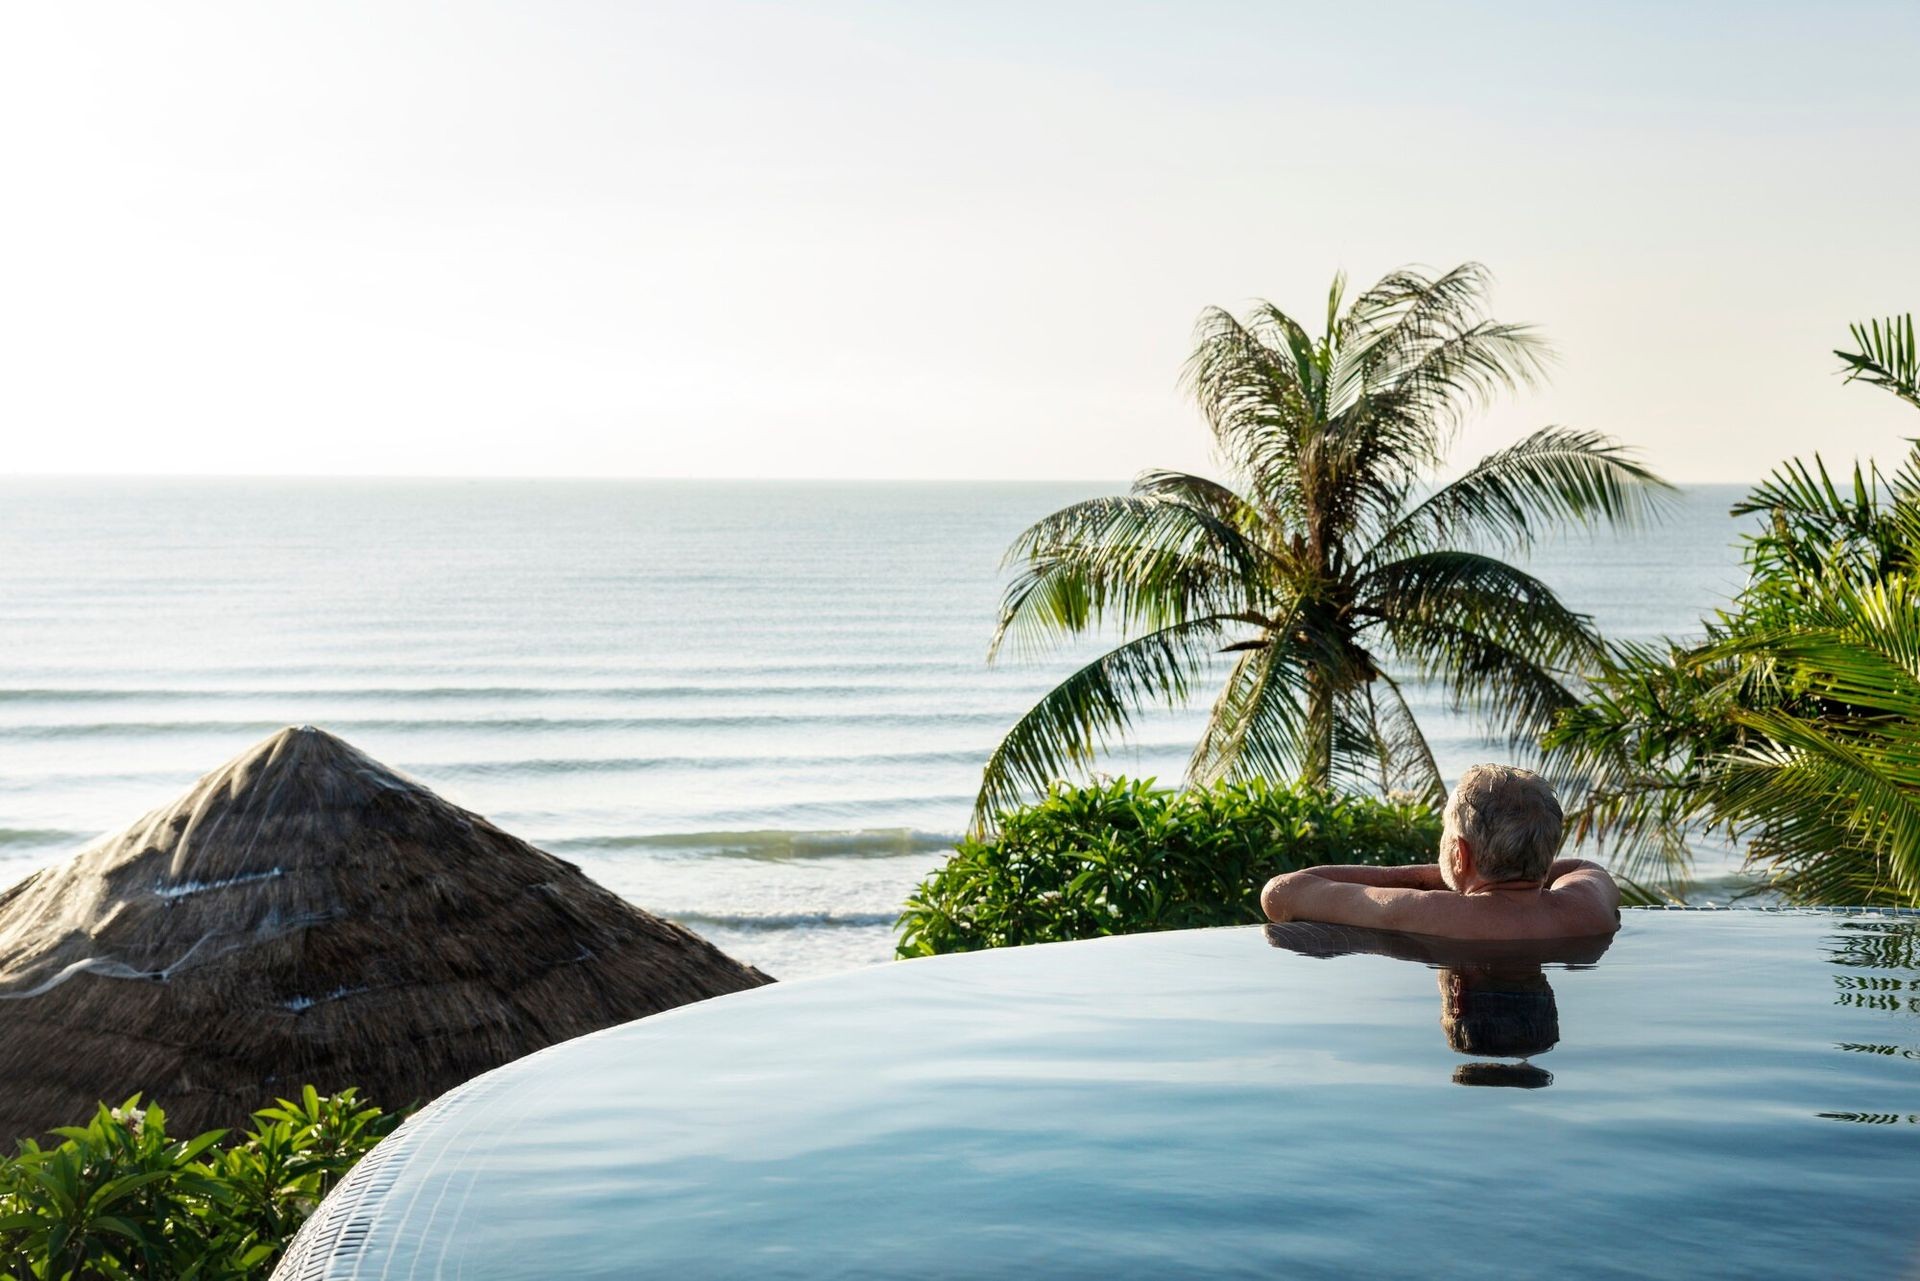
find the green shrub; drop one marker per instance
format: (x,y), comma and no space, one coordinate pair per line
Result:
(1125,857)
(118,1198)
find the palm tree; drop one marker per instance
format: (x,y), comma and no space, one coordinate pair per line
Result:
(1794,727)
(1827,786)
(1333,568)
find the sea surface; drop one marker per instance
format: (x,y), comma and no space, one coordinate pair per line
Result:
(760,709)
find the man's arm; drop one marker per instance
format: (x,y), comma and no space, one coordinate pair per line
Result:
(1417,876)
(1577,879)
(1306,896)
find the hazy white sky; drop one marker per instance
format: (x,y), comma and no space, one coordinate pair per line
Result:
(963,239)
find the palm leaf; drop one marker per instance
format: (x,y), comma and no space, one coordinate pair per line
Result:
(1209,496)
(1806,494)
(1482,595)
(1518,695)
(1866,656)
(1408,761)
(1429,348)
(1556,476)
(1261,385)
(1887,357)
(1851,795)
(1256,726)
(1140,562)
(1626,760)
(1084,712)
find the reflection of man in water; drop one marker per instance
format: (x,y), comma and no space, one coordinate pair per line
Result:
(1501,1012)
(1495,1001)
(1496,879)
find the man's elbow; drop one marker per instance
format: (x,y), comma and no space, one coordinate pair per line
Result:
(1276,899)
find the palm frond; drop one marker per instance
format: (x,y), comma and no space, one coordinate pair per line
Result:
(1887,357)
(1408,361)
(1417,306)
(1630,760)
(1257,725)
(1210,496)
(1428,348)
(1482,595)
(1836,784)
(1519,696)
(1858,646)
(1799,491)
(1084,712)
(1267,720)
(1853,799)
(1450,378)
(1139,562)
(1819,760)
(1861,530)
(1408,763)
(1556,476)
(1258,385)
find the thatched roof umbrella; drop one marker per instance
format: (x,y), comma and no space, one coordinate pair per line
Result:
(306,915)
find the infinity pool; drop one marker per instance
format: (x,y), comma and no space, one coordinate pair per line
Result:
(1715,1094)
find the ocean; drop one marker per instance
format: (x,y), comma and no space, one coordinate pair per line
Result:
(757,708)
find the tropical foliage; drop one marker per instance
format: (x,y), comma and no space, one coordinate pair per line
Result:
(1885,356)
(1794,726)
(120,1198)
(1331,561)
(1124,857)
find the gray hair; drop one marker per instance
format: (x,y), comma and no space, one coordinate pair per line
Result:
(1509,818)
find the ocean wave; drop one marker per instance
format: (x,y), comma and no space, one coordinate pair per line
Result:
(784,920)
(14,779)
(31,837)
(771,845)
(839,664)
(100,729)
(350,726)
(502,693)
(626,764)
(843,813)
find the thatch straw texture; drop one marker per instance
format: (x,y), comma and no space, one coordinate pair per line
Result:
(306,915)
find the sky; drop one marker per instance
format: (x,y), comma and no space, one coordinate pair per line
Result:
(893,240)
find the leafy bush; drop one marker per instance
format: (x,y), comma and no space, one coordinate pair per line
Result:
(1125,857)
(118,1198)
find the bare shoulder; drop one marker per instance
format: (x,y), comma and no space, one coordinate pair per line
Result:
(1578,887)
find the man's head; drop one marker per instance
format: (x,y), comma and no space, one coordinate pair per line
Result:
(1499,1011)
(1502,823)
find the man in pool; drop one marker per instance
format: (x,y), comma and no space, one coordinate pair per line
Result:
(1497,877)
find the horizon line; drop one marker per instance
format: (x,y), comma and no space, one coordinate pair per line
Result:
(611,479)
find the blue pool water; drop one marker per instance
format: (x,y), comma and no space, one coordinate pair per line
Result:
(1727,1094)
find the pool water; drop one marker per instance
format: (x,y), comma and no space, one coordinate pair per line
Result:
(1713,1094)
